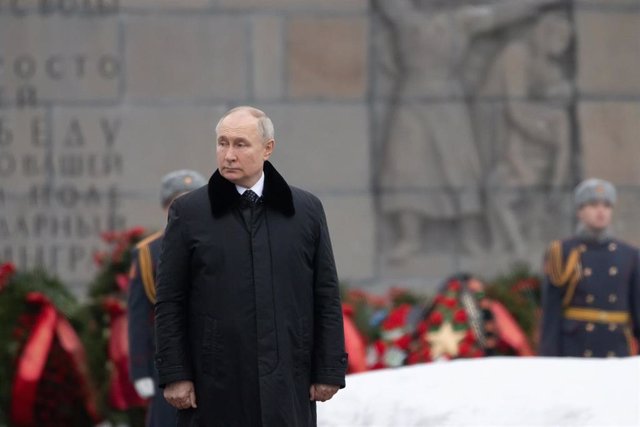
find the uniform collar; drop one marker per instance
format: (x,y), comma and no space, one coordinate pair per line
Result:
(588,235)
(276,193)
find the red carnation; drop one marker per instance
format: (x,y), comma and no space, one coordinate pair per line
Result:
(403,342)
(421,328)
(397,318)
(7,270)
(454,286)
(122,280)
(450,302)
(413,358)
(379,346)
(436,318)
(470,337)
(460,316)
(135,233)
(465,349)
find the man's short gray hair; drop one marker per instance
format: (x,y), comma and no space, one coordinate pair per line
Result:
(265,125)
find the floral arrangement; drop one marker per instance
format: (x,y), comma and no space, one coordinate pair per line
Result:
(45,378)
(103,326)
(520,292)
(454,326)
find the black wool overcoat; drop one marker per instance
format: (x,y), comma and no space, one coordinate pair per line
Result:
(250,312)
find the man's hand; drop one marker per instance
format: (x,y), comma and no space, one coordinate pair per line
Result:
(144,387)
(181,394)
(322,392)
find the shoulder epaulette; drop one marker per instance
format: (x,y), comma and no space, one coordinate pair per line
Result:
(564,273)
(145,262)
(147,240)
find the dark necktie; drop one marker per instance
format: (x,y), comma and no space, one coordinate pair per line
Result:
(249,201)
(250,198)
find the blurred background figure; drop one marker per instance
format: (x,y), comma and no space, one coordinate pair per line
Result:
(142,297)
(591,295)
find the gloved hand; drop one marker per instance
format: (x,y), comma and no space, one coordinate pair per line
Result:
(145,387)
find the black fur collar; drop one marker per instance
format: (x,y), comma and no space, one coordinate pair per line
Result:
(276,194)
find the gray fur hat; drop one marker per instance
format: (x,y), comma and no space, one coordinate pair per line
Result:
(594,189)
(178,182)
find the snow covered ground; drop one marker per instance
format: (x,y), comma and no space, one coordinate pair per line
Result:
(492,392)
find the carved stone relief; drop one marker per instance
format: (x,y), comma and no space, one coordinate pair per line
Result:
(474,105)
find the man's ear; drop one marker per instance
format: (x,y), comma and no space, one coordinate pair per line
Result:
(269,146)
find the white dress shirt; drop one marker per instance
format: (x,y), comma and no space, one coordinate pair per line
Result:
(257,187)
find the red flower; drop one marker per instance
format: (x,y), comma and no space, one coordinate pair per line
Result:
(465,349)
(122,280)
(421,328)
(454,286)
(439,299)
(450,302)
(135,233)
(7,271)
(403,342)
(113,307)
(470,337)
(436,318)
(397,318)
(413,358)
(460,316)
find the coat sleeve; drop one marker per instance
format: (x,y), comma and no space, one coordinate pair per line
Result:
(329,359)
(634,297)
(551,317)
(173,360)
(140,314)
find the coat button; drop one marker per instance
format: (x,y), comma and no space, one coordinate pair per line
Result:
(613,327)
(612,247)
(587,272)
(590,327)
(611,354)
(613,298)
(613,271)
(588,353)
(590,299)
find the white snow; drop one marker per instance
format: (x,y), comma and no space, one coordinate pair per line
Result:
(492,392)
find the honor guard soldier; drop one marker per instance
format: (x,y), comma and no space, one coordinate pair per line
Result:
(591,294)
(142,297)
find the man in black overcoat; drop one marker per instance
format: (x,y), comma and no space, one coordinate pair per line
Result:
(248,316)
(140,301)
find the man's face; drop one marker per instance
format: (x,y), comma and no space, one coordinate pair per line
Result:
(596,215)
(241,150)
